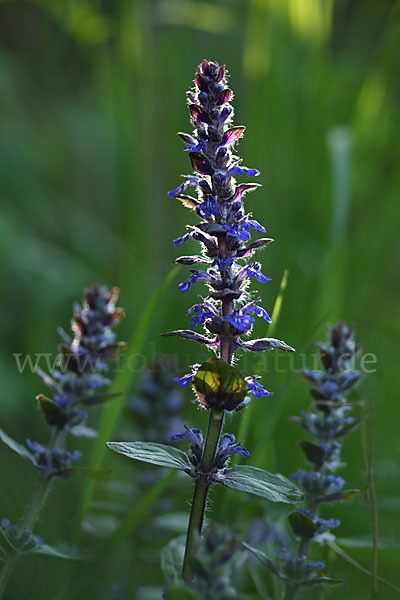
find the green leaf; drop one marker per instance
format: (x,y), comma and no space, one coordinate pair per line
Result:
(314,453)
(155,454)
(264,559)
(6,544)
(54,414)
(303,526)
(99,398)
(83,431)
(86,472)
(219,385)
(314,580)
(340,496)
(18,448)
(172,559)
(181,592)
(383,544)
(260,483)
(66,553)
(273,568)
(264,344)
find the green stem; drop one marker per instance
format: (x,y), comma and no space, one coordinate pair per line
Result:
(6,570)
(215,425)
(290,592)
(202,486)
(31,516)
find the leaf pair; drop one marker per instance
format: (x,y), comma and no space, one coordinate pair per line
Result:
(242,478)
(86,472)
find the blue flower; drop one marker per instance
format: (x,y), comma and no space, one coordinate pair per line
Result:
(241,229)
(76,455)
(208,209)
(237,231)
(239,320)
(201,313)
(195,276)
(182,239)
(240,170)
(255,388)
(227,447)
(196,146)
(189,180)
(316,484)
(223,262)
(186,379)
(195,437)
(34,446)
(255,271)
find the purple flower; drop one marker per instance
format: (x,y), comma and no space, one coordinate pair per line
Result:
(239,320)
(201,313)
(195,146)
(227,447)
(189,180)
(240,170)
(208,208)
(237,231)
(223,262)
(254,270)
(186,379)
(241,229)
(34,446)
(194,436)
(195,276)
(182,239)
(255,388)
(76,455)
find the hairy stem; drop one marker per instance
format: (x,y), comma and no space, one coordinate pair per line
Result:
(31,515)
(196,518)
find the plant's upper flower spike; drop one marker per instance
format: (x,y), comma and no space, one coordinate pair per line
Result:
(225,229)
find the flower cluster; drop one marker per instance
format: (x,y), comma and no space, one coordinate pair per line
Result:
(22,541)
(227,447)
(77,384)
(216,559)
(228,312)
(52,462)
(328,424)
(330,421)
(158,401)
(80,379)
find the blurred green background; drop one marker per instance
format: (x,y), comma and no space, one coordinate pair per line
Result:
(92,94)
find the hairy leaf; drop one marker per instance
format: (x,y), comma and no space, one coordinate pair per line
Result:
(260,483)
(155,454)
(172,559)
(264,344)
(18,448)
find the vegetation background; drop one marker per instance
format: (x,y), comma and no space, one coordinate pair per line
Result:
(92,94)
